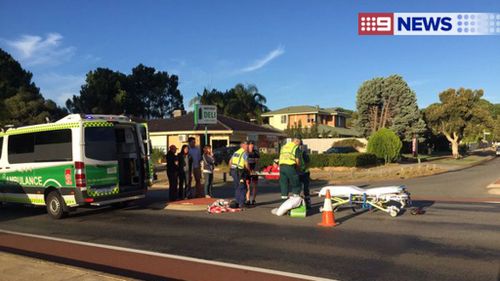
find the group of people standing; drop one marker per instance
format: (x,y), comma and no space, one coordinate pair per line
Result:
(293,169)
(190,163)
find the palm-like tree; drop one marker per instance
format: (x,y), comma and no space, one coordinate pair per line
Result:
(241,102)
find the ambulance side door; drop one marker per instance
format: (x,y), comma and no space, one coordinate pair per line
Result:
(18,167)
(2,175)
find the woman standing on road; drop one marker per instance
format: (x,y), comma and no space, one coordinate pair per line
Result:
(208,170)
(185,172)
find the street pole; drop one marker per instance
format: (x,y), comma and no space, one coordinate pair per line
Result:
(195,115)
(206,135)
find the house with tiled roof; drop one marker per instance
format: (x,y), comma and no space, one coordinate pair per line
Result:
(330,121)
(227,131)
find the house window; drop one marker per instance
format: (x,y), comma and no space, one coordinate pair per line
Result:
(283,119)
(340,121)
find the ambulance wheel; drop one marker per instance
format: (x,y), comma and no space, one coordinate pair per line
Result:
(55,205)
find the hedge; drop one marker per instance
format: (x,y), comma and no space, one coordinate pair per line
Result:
(267,159)
(329,160)
(349,142)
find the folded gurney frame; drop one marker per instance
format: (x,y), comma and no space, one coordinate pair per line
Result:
(388,202)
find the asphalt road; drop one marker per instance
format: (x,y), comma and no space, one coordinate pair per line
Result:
(466,183)
(451,241)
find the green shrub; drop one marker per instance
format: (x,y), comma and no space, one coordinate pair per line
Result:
(157,155)
(385,144)
(329,160)
(349,142)
(366,159)
(267,159)
(319,160)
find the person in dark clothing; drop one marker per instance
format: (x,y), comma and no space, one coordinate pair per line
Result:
(305,174)
(185,173)
(253,179)
(208,166)
(172,173)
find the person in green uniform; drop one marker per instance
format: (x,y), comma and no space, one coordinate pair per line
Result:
(289,162)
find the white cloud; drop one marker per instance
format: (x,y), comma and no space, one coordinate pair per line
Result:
(36,50)
(265,60)
(59,87)
(91,58)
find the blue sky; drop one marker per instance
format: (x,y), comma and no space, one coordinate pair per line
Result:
(296,52)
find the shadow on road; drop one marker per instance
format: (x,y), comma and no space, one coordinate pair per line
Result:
(11,211)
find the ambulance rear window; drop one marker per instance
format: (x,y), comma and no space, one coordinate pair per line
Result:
(100,143)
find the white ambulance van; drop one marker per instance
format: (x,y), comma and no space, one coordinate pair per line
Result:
(79,160)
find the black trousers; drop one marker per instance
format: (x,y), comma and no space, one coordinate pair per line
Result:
(172,185)
(184,184)
(305,180)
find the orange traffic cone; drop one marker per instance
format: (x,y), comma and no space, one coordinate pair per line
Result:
(328,219)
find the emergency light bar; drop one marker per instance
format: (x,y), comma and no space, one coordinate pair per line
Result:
(107,117)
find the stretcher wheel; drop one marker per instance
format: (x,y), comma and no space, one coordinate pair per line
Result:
(393,211)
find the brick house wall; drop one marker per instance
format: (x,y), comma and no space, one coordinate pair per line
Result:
(307,120)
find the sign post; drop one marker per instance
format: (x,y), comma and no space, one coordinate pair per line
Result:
(205,114)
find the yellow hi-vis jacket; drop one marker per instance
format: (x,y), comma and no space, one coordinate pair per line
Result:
(237,160)
(287,154)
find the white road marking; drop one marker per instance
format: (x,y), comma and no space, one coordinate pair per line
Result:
(183,258)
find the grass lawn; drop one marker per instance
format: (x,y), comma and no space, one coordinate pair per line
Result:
(468,160)
(426,157)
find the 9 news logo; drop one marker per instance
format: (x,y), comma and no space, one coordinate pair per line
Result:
(429,23)
(375,24)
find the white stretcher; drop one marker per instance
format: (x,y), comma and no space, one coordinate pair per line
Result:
(390,199)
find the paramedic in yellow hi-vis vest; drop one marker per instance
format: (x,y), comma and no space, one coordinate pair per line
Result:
(239,172)
(290,168)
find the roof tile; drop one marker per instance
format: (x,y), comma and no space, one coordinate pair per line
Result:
(224,123)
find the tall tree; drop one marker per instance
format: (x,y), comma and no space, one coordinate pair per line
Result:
(388,103)
(166,96)
(21,102)
(103,93)
(496,117)
(241,102)
(145,93)
(493,129)
(459,114)
(210,97)
(496,130)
